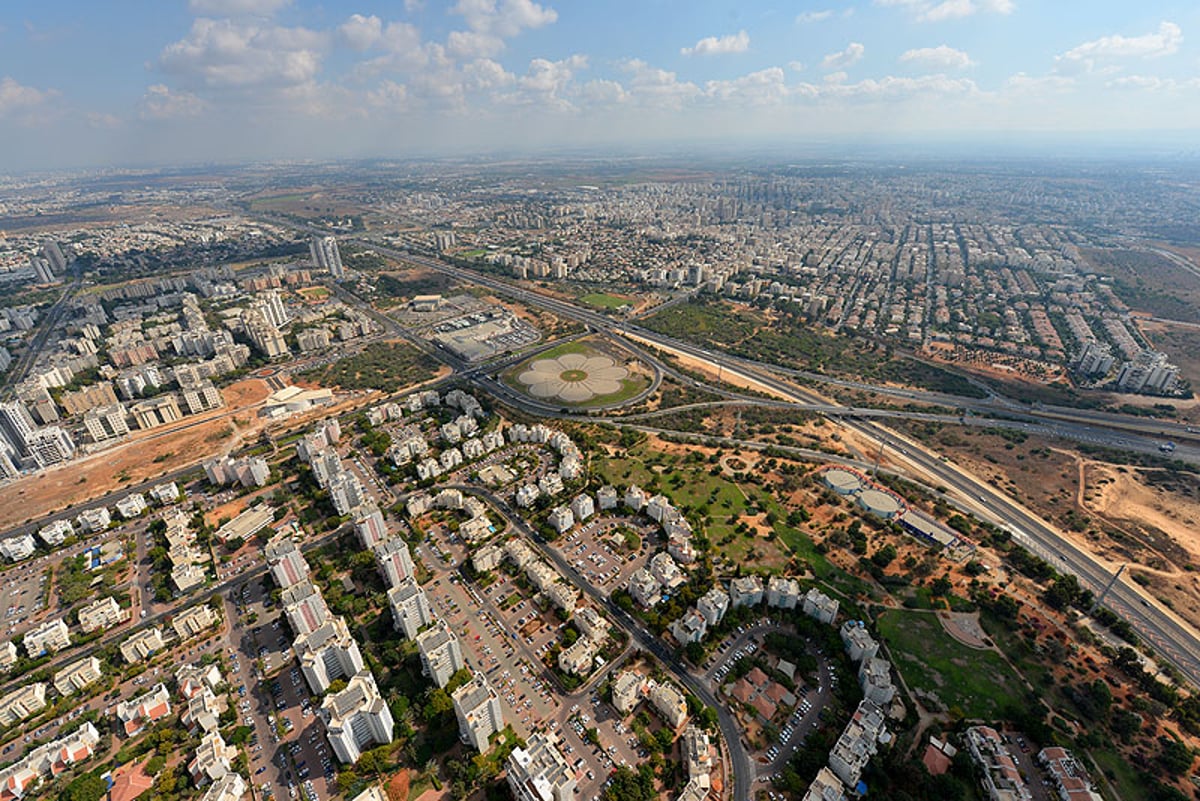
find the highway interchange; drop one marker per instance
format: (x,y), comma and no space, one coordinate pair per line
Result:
(1175,640)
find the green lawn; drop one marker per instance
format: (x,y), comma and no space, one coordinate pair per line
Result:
(1120,779)
(602,300)
(978,684)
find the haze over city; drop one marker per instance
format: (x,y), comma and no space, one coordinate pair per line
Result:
(138,82)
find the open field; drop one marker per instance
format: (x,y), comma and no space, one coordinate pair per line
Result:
(385,366)
(1182,344)
(144,455)
(979,685)
(787,340)
(603,300)
(1150,283)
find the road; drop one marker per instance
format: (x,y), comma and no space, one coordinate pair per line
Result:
(1176,641)
(742,767)
(22,366)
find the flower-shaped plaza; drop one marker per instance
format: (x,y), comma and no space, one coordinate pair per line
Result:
(573,377)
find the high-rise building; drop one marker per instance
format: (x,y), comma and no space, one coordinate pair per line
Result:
(265,337)
(325,255)
(441,654)
(328,653)
(106,422)
(50,445)
(395,563)
(410,607)
(477,707)
(16,424)
(270,305)
(42,270)
(356,718)
(370,527)
(54,255)
(539,772)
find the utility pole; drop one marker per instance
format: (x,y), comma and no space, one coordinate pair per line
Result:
(1109,586)
(878,458)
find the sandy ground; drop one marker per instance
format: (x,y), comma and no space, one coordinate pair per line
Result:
(730,377)
(1120,496)
(148,454)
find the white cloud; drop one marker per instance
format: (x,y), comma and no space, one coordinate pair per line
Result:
(603,92)
(1028,84)
(656,87)
(942,57)
(1163,42)
(473,44)
(16,97)
(843,58)
(227,54)
(389,96)
(547,83)
(935,11)
(1151,83)
(361,33)
(765,87)
(796,66)
(160,103)
(893,87)
(806,17)
(237,8)
(717,45)
(504,18)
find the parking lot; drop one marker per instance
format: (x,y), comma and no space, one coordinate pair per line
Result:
(289,753)
(21,590)
(590,550)
(745,643)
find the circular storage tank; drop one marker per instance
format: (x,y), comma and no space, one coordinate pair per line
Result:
(843,482)
(879,503)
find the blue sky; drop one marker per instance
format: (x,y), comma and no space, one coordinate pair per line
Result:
(84,82)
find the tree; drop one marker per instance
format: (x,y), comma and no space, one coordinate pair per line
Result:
(941,586)
(1176,757)
(88,787)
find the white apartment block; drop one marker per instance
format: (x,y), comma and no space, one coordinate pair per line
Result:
(477,707)
(356,718)
(101,614)
(142,645)
(327,654)
(410,608)
(77,675)
(441,655)
(539,772)
(745,591)
(194,621)
(48,638)
(395,562)
(305,608)
(22,702)
(17,548)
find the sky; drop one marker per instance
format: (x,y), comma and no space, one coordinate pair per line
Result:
(154,82)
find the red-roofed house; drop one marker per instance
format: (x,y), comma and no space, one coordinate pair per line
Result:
(137,713)
(129,781)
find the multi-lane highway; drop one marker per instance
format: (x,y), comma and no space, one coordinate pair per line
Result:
(1174,639)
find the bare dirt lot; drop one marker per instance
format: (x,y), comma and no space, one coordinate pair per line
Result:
(144,455)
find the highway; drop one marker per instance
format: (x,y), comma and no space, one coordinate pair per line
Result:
(1175,640)
(23,365)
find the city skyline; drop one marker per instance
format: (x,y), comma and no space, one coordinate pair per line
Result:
(229,80)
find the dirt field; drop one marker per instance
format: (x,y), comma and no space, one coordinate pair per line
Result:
(144,455)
